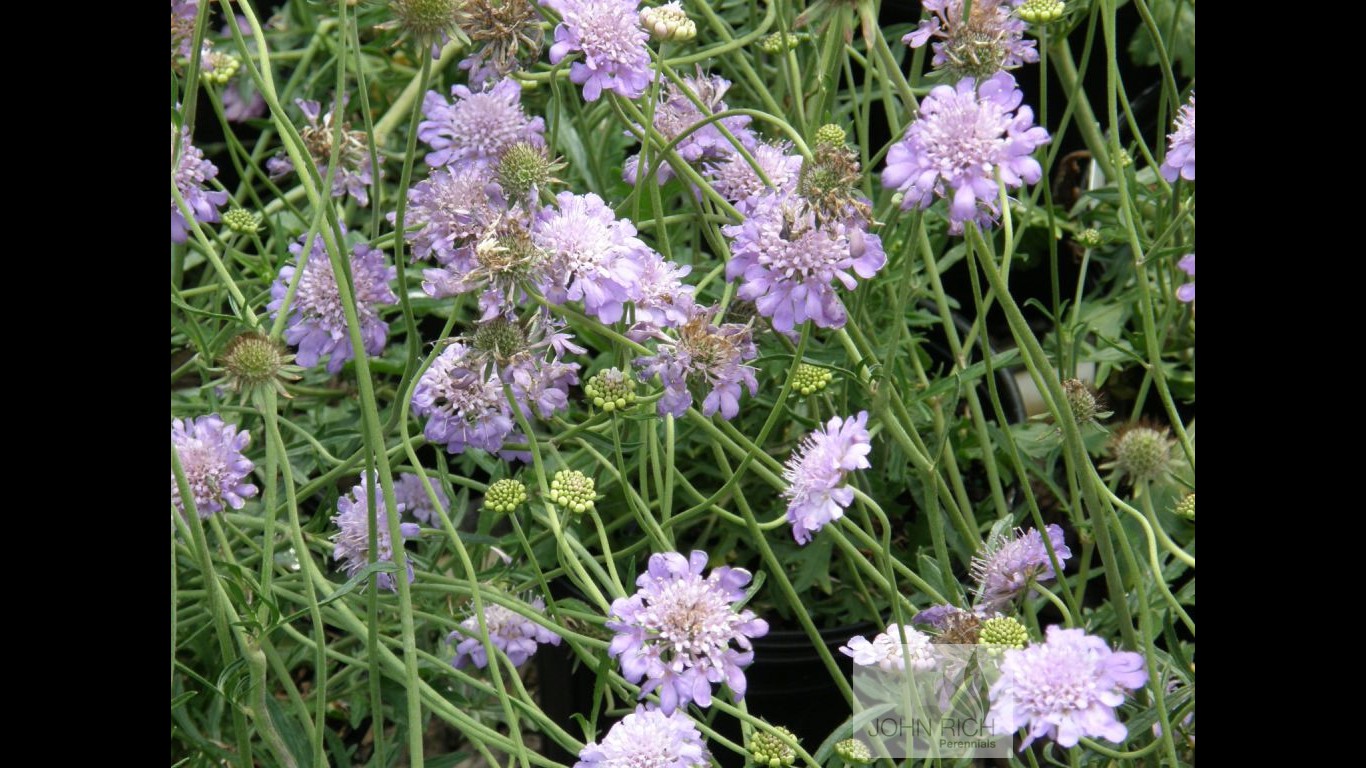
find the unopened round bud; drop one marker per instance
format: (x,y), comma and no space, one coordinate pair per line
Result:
(668,22)
(1041,11)
(505,496)
(611,390)
(809,379)
(769,750)
(573,491)
(1003,631)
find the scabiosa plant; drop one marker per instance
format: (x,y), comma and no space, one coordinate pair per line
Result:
(675,632)
(734,179)
(966,136)
(477,127)
(676,113)
(211,457)
(613,44)
(786,261)
(990,39)
(713,356)
(1008,564)
(1180,160)
(1186,292)
(191,173)
(817,493)
(509,631)
(317,321)
(591,255)
(410,495)
(886,649)
(351,542)
(1064,688)
(648,738)
(452,208)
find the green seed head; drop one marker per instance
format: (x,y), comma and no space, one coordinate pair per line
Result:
(1081,400)
(572,491)
(242,221)
(668,22)
(425,20)
(1186,507)
(611,390)
(809,379)
(854,752)
(524,169)
(254,360)
(505,496)
(769,750)
(1143,453)
(1041,11)
(1003,631)
(830,134)
(500,338)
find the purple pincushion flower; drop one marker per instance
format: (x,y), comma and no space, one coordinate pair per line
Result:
(664,300)
(183,14)
(1064,688)
(817,493)
(648,738)
(1180,160)
(465,407)
(410,494)
(886,649)
(736,181)
(476,128)
(1186,292)
(211,457)
(352,539)
(787,258)
(453,208)
(509,631)
(613,44)
(675,632)
(675,114)
(1006,565)
(191,171)
(317,321)
(990,39)
(590,255)
(711,355)
(964,137)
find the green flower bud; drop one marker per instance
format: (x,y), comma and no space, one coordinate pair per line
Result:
(1041,11)
(1003,631)
(668,22)
(769,750)
(572,491)
(830,134)
(809,379)
(1089,238)
(854,752)
(777,42)
(611,390)
(242,221)
(1186,507)
(505,496)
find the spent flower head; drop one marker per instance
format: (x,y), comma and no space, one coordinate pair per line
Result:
(430,23)
(253,360)
(1142,452)
(988,40)
(506,35)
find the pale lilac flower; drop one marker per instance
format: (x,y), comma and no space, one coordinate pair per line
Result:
(991,39)
(613,44)
(964,138)
(476,128)
(242,102)
(182,27)
(352,539)
(453,208)
(664,300)
(675,632)
(786,259)
(464,406)
(317,320)
(817,492)
(1186,292)
(211,457)
(510,632)
(735,180)
(708,355)
(191,173)
(278,167)
(1006,565)
(590,255)
(648,738)
(676,113)
(886,650)
(1064,688)
(1180,160)
(410,494)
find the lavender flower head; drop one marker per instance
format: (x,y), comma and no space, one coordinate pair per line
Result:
(211,457)
(816,491)
(510,632)
(663,300)
(242,102)
(676,113)
(477,127)
(1064,688)
(351,542)
(885,651)
(613,44)
(786,259)
(963,138)
(1180,160)
(735,180)
(410,495)
(464,407)
(710,355)
(1007,565)
(989,40)
(675,632)
(317,321)
(590,255)
(191,171)
(453,207)
(1186,292)
(648,738)
(182,27)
